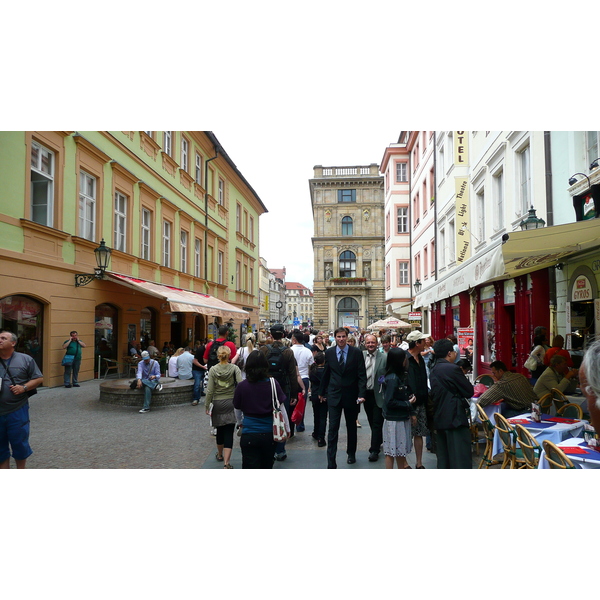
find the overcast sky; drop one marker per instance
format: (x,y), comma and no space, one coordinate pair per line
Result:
(279,167)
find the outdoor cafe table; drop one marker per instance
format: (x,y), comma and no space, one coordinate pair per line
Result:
(579,399)
(546,430)
(489,410)
(584,458)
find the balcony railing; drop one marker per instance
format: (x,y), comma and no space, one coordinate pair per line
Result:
(356,171)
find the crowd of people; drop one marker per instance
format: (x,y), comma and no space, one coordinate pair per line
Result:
(414,391)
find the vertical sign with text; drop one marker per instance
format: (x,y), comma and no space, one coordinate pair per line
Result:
(463,217)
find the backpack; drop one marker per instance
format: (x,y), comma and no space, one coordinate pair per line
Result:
(277,367)
(212,355)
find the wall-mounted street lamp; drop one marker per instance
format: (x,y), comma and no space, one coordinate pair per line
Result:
(102,253)
(531,221)
(417,285)
(573,181)
(594,164)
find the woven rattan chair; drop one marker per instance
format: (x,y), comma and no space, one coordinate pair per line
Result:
(545,403)
(111,365)
(570,411)
(556,458)
(513,457)
(486,380)
(559,399)
(529,446)
(488,430)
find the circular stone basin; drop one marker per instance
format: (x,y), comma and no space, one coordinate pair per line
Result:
(173,393)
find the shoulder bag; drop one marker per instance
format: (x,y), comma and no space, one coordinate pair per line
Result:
(279,426)
(7,372)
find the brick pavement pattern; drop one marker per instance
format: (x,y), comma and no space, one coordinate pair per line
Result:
(72,429)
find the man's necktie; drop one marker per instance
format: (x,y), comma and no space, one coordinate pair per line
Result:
(370,365)
(341,360)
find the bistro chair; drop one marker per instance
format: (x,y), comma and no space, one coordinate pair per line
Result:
(545,403)
(529,446)
(488,430)
(559,399)
(556,458)
(486,380)
(570,411)
(513,457)
(110,364)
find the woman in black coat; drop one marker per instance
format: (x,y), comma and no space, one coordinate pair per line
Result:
(450,390)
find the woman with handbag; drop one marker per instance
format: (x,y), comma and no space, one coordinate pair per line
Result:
(222,381)
(450,388)
(253,397)
(398,411)
(72,359)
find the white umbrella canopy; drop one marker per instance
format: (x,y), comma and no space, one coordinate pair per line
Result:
(389,323)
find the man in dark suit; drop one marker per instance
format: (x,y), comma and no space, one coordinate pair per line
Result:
(343,387)
(375,363)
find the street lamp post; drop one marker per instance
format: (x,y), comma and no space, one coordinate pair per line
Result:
(102,254)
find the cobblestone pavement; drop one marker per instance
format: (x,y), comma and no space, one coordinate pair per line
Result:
(72,429)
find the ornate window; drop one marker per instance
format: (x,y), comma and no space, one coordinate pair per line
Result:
(347,264)
(347,226)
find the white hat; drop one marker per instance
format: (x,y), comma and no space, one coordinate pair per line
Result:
(145,355)
(415,336)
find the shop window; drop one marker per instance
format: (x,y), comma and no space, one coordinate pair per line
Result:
(23,316)
(489,329)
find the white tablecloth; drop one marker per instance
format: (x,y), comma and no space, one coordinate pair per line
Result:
(557,433)
(579,460)
(489,411)
(581,400)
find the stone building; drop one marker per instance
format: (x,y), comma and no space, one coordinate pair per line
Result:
(348,245)
(299,302)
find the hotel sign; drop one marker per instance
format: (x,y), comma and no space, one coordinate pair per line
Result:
(461,148)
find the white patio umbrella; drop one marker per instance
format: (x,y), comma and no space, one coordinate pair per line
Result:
(389,323)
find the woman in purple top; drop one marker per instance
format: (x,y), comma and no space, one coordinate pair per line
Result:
(253,397)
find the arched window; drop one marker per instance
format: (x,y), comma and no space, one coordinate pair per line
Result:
(347,226)
(347,264)
(347,312)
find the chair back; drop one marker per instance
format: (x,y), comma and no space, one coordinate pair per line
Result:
(486,380)
(531,449)
(488,428)
(545,402)
(570,411)
(556,458)
(559,399)
(506,432)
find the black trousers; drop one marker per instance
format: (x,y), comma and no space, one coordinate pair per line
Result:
(454,448)
(350,410)
(319,416)
(225,435)
(375,418)
(257,450)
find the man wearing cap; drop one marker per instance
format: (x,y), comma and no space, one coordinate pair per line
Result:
(148,375)
(417,383)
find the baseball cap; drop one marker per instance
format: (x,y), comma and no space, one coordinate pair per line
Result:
(415,336)
(277,327)
(145,355)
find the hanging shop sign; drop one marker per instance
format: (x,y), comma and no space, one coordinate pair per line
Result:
(582,290)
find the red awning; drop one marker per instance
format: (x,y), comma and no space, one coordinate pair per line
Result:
(182,300)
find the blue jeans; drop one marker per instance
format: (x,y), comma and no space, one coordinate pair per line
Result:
(74,369)
(198,379)
(148,385)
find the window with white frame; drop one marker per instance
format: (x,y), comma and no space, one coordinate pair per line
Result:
(145,237)
(197,257)
(198,174)
(403,273)
(167,139)
(222,193)
(237,275)
(451,241)
(42,185)
(252,229)
(251,289)
(220,267)
(238,217)
(166,244)
(120,233)
(185,148)
(401,172)
(87,206)
(480,201)
(524,173)
(498,181)
(245,278)
(148,133)
(402,219)
(441,155)
(184,251)
(442,247)
(449,150)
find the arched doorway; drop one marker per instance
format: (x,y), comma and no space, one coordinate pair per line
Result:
(23,316)
(347,312)
(199,328)
(147,326)
(106,332)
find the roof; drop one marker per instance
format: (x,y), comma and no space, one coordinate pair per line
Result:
(279,273)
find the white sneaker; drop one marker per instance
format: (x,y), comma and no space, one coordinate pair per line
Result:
(145,410)
(213,431)
(159,387)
